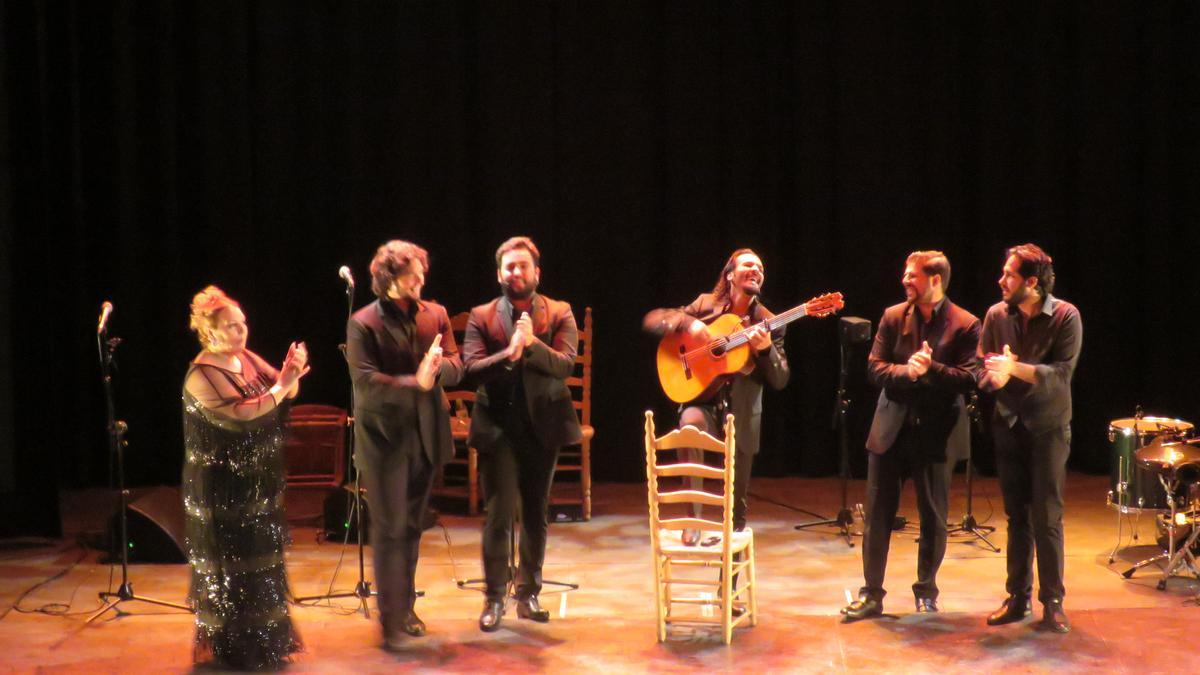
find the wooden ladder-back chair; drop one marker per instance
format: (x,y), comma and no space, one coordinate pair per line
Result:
(315,448)
(578,459)
(463,480)
(672,557)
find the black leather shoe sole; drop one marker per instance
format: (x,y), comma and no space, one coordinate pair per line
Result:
(542,616)
(1055,620)
(489,620)
(1009,614)
(862,609)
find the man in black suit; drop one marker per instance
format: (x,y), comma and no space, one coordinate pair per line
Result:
(401,353)
(924,359)
(520,348)
(1031,342)
(736,291)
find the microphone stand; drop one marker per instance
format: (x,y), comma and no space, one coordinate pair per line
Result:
(106,347)
(844,520)
(362,590)
(969,525)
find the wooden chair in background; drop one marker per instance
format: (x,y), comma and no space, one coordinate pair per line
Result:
(315,449)
(573,497)
(670,555)
(460,477)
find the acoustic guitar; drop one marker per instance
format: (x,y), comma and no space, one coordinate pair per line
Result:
(691,369)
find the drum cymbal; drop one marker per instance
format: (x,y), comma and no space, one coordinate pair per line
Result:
(1152,425)
(1167,455)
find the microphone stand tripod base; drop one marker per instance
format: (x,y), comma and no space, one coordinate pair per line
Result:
(124,593)
(844,521)
(980,532)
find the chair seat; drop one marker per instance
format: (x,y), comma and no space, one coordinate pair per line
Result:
(671,543)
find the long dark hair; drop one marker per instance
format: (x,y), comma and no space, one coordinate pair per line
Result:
(721,290)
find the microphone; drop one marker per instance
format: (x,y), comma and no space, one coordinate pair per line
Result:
(344,273)
(105,310)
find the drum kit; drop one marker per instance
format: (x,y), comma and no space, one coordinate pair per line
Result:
(1156,468)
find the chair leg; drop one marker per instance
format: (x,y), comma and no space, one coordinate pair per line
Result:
(753,588)
(472,481)
(658,599)
(585,477)
(727,602)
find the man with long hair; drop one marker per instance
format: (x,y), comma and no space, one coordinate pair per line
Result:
(1030,343)
(736,291)
(401,353)
(520,348)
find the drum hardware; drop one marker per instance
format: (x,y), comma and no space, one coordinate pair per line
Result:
(1184,521)
(1176,463)
(1136,488)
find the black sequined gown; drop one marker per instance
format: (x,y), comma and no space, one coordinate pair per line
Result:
(233,483)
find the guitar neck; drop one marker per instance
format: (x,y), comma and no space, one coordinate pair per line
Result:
(779,320)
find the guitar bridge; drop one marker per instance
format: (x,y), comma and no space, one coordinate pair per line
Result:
(687,370)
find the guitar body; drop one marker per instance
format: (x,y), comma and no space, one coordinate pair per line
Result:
(691,369)
(700,375)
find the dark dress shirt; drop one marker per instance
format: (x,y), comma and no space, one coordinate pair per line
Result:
(1050,341)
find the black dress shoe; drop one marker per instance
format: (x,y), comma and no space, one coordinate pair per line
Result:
(926,605)
(393,639)
(862,608)
(1014,609)
(413,625)
(528,608)
(393,633)
(489,619)
(1054,618)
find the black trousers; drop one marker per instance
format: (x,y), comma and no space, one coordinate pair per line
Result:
(886,474)
(1033,470)
(708,419)
(517,470)
(397,487)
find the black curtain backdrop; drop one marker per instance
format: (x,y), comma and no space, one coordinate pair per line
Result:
(151,148)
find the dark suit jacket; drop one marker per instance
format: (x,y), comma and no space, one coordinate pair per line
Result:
(745,396)
(933,404)
(383,365)
(544,367)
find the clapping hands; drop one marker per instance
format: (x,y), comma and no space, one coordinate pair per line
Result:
(999,367)
(430,365)
(522,337)
(918,363)
(295,366)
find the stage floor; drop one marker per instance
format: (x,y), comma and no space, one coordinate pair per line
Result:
(608,626)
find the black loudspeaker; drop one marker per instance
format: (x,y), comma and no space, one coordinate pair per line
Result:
(155,522)
(854,330)
(338,516)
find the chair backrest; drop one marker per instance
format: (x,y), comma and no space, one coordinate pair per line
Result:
(459,401)
(315,449)
(580,383)
(689,437)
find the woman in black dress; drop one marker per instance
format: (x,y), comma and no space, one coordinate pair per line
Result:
(234,408)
